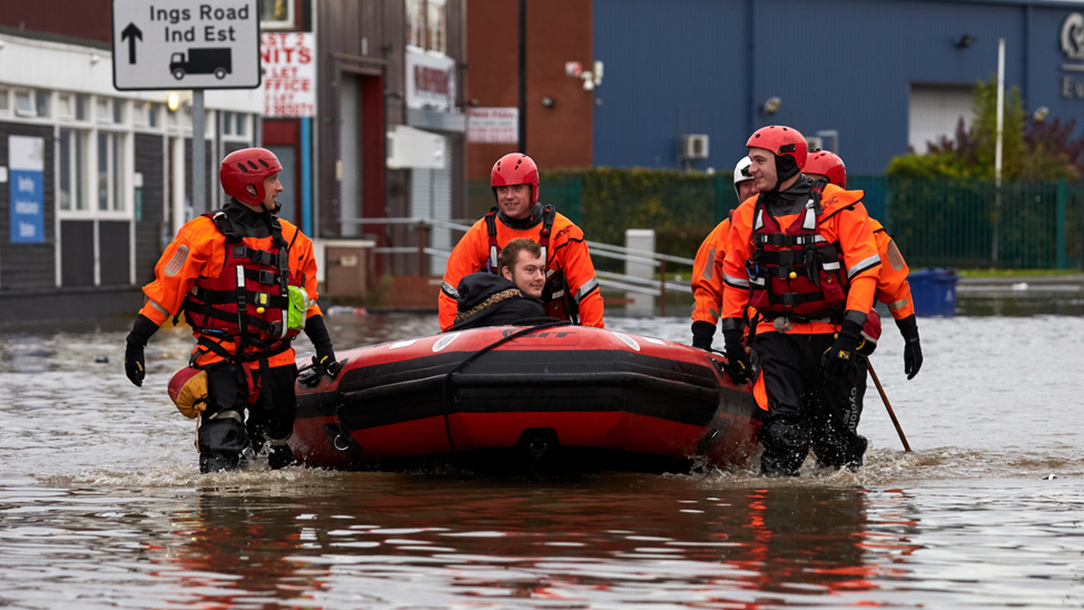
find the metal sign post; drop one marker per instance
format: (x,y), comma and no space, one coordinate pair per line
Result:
(199,156)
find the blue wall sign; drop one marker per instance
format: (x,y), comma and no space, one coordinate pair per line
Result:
(26,165)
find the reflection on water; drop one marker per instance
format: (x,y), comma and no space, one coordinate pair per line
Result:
(348,540)
(101,504)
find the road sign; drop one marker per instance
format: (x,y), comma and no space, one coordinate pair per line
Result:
(186,44)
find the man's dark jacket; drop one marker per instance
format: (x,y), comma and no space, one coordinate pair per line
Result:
(491,300)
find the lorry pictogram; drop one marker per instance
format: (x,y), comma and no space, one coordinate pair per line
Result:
(202,61)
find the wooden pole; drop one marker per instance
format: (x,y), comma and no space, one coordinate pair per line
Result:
(891,413)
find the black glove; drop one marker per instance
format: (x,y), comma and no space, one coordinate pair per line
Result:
(703,333)
(912,351)
(839,360)
(324,360)
(738,365)
(135,364)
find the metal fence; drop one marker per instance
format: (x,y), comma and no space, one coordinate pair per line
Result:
(1022,225)
(962,224)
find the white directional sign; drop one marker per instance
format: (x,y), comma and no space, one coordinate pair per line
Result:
(186,44)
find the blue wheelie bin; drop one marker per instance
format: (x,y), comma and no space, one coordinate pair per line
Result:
(934,291)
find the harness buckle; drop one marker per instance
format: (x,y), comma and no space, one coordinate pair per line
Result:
(262,257)
(266,277)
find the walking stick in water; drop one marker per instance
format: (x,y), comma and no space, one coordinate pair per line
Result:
(891,413)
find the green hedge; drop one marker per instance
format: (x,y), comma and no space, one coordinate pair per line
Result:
(682,207)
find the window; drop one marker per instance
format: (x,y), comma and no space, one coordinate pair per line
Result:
(23,107)
(415,18)
(227,123)
(139,114)
(80,106)
(72,194)
(436,27)
(241,119)
(118,111)
(152,114)
(277,14)
(5,103)
(110,171)
(41,103)
(427,26)
(104,111)
(64,105)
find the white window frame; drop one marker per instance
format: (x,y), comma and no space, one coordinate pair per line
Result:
(118,182)
(80,186)
(61,115)
(32,112)
(102,116)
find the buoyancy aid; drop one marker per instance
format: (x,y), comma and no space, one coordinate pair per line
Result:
(797,272)
(248,303)
(556,297)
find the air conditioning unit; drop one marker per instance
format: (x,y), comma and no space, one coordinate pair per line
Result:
(694,146)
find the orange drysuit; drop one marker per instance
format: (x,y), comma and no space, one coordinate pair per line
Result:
(200,251)
(892,287)
(707,280)
(566,254)
(843,220)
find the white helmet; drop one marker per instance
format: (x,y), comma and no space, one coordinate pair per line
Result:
(741,173)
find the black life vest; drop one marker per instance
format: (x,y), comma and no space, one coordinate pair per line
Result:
(796,272)
(556,297)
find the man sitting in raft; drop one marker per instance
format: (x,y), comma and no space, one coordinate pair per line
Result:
(511,298)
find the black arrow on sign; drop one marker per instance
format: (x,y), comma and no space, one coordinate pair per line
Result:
(131,33)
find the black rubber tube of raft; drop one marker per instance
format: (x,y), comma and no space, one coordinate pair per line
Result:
(446,396)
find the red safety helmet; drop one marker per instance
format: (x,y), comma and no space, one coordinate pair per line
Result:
(512,169)
(788,146)
(248,166)
(828,164)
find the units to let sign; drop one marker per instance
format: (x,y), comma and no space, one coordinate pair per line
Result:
(186,44)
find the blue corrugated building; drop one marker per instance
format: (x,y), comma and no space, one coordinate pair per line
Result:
(872,78)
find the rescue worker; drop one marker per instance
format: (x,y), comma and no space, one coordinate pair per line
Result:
(246,282)
(806,260)
(892,287)
(571,291)
(511,298)
(708,266)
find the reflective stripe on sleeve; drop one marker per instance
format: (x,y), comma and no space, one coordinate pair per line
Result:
(736,282)
(588,286)
(864,265)
(157,306)
(900,304)
(448,290)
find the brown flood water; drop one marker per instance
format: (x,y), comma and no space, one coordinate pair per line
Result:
(101,505)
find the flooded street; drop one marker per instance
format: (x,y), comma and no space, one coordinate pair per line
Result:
(102,506)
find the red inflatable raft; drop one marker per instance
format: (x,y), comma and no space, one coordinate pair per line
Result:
(505,397)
